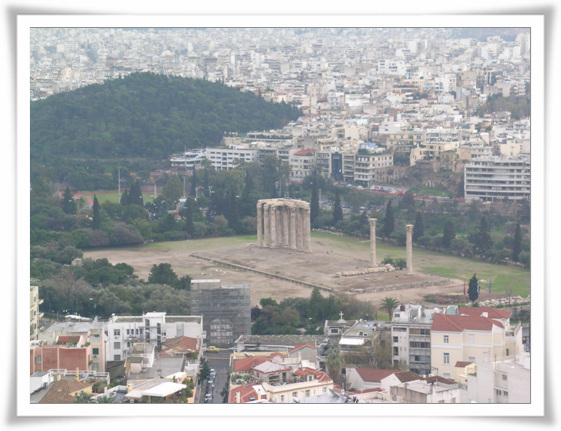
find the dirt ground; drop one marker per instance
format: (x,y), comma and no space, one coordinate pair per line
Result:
(318,267)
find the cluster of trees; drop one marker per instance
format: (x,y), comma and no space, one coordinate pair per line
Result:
(98,288)
(147,115)
(294,315)
(518,106)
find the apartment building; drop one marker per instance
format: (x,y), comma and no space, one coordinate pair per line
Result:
(473,334)
(226,310)
(34,313)
(496,178)
(153,328)
(366,166)
(411,337)
(225,159)
(501,381)
(302,164)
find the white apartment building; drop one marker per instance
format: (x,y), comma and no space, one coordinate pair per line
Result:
(501,381)
(155,327)
(496,178)
(366,166)
(226,159)
(302,164)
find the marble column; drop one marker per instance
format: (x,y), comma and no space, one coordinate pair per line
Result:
(409,248)
(307,229)
(259,224)
(273,220)
(267,224)
(373,242)
(292,210)
(285,226)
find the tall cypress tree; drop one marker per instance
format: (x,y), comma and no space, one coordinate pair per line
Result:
(337,209)
(68,202)
(448,233)
(314,205)
(472,290)
(483,241)
(517,246)
(389,221)
(135,194)
(418,227)
(194,183)
(96,217)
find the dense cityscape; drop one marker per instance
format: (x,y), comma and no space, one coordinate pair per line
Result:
(364,239)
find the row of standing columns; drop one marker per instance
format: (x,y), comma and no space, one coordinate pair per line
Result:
(408,245)
(283,223)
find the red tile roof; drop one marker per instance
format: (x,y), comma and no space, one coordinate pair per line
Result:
(407,376)
(246,391)
(439,379)
(299,346)
(62,390)
(462,364)
(246,364)
(180,345)
(492,313)
(453,323)
(68,339)
(373,375)
(304,152)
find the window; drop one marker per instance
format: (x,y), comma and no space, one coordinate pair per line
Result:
(38,359)
(95,351)
(395,339)
(471,337)
(446,339)
(307,393)
(446,375)
(446,358)
(507,352)
(117,332)
(117,357)
(117,345)
(504,377)
(395,351)
(471,359)
(294,394)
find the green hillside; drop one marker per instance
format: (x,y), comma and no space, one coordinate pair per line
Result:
(147,115)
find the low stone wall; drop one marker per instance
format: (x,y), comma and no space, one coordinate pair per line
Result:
(403,286)
(385,268)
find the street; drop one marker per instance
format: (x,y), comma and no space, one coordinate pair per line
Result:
(219,361)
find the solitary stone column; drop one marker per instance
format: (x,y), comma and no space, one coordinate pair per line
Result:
(409,248)
(285,226)
(259,224)
(373,242)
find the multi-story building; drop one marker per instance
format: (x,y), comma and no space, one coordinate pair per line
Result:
(473,334)
(366,166)
(302,164)
(496,178)
(34,314)
(226,310)
(152,328)
(411,337)
(500,381)
(228,158)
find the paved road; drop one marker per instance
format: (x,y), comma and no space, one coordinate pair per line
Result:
(220,361)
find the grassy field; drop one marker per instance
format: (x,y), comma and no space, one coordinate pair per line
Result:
(426,262)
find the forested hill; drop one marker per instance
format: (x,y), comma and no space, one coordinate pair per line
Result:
(147,115)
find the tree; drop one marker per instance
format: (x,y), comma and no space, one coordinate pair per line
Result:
(194,183)
(314,204)
(517,245)
(388,304)
(135,194)
(83,398)
(173,190)
(389,222)
(189,227)
(448,233)
(337,210)
(473,290)
(334,362)
(163,274)
(482,238)
(68,202)
(418,227)
(96,217)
